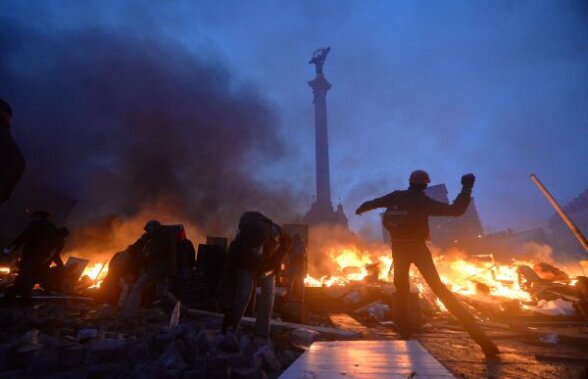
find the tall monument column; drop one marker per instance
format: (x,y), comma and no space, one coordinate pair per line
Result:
(321,211)
(320,86)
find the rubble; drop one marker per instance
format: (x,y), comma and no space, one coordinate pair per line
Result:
(93,346)
(71,336)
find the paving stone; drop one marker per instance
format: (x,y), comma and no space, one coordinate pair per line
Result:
(31,337)
(87,334)
(105,370)
(172,374)
(136,352)
(21,357)
(45,362)
(228,343)
(72,357)
(217,362)
(172,358)
(270,361)
(195,374)
(286,357)
(200,343)
(248,373)
(161,340)
(218,374)
(49,342)
(105,351)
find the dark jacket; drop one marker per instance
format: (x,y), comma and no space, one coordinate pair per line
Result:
(407,212)
(159,251)
(255,248)
(12,164)
(38,241)
(186,255)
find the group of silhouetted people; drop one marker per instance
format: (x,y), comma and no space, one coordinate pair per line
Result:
(254,257)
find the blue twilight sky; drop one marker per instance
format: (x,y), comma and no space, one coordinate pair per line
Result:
(497,88)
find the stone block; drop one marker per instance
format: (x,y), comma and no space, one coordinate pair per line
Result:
(106,351)
(45,362)
(72,357)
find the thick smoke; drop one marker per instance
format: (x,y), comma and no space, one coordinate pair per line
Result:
(128,123)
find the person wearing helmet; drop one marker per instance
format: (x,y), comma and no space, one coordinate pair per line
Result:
(406,219)
(255,254)
(37,243)
(12,163)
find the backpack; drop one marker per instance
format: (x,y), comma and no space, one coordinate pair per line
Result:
(397,219)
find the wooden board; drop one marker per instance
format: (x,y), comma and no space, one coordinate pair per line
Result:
(366,360)
(325,332)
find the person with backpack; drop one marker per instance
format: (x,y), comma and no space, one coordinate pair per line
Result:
(39,241)
(255,256)
(158,252)
(406,219)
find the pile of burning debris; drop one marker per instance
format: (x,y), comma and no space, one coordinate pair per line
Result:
(493,289)
(68,332)
(522,288)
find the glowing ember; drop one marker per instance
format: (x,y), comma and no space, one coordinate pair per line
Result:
(4,270)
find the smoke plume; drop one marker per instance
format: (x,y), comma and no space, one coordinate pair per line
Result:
(129,123)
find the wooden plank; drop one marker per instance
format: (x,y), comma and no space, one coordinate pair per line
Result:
(346,322)
(325,332)
(366,360)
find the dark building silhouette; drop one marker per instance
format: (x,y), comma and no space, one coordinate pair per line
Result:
(510,243)
(553,232)
(561,237)
(321,211)
(463,232)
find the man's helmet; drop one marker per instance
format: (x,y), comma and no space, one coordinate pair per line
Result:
(152,226)
(419,177)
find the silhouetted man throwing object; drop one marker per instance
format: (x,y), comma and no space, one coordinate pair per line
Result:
(406,219)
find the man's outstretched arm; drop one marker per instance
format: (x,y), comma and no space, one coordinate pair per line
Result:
(380,202)
(459,205)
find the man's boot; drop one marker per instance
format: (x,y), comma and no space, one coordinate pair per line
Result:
(488,347)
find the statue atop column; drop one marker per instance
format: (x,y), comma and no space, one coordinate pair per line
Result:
(321,211)
(318,58)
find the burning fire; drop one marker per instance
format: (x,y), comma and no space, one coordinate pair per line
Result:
(353,265)
(96,272)
(476,275)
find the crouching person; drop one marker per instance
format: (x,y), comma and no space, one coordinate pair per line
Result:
(256,251)
(158,251)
